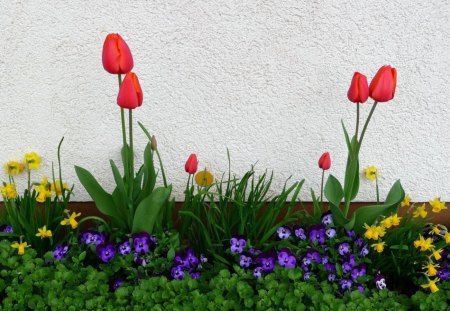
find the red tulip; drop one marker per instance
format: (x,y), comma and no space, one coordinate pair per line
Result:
(130,94)
(191,164)
(382,86)
(325,161)
(359,89)
(116,56)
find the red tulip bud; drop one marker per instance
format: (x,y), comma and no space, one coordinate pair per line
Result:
(116,56)
(359,89)
(382,86)
(325,161)
(130,94)
(191,164)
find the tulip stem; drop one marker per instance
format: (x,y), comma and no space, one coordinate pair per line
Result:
(122,117)
(130,127)
(378,191)
(365,125)
(357,122)
(321,190)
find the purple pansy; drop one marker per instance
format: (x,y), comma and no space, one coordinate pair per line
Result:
(359,242)
(180,260)
(330,267)
(358,272)
(306,276)
(245,261)
(254,252)
(343,248)
(380,281)
(177,273)
(351,259)
(443,274)
(92,238)
(283,232)
(203,259)
(345,283)
(317,233)
(191,258)
(141,242)
(61,251)
(327,218)
(267,261)
(350,233)
(257,272)
(195,275)
(124,248)
(331,277)
(360,288)
(114,284)
(238,244)
(325,259)
(346,267)
(313,255)
(6,229)
(299,233)
(286,259)
(364,251)
(106,251)
(330,232)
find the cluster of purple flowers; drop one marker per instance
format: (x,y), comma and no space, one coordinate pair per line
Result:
(6,229)
(443,270)
(187,262)
(326,249)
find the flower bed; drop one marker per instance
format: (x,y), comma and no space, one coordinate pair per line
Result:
(235,246)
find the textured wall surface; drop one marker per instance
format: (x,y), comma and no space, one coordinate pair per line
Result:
(267,79)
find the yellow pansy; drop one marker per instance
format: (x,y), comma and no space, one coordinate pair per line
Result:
(420,211)
(437,205)
(20,247)
(32,161)
(71,220)
(406,201)
(379,247)
(56,187)
(371,173)
(423,244)
(432,285)
(8,191)
(44,233)
(204,178)
(13,168)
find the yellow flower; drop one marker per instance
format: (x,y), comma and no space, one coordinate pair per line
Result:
(44,181)
(379,247)
(57,190)
(391,221)
(406,201)
(437,205)
(432,285)
(71,220)
(420,211)
(381,231)
(371,173)
(423,244)
(13,168)
(204,178)
(371,232)
(43,193)
(44,233)
(437,254)
(435,230)
(447,237)
(20,247)
(8,191)
(32,161)
(431,269)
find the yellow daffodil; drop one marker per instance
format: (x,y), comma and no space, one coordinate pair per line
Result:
(44,233)
(432,285)
(381,231)
(437,205)
(379,247)
(371,232)
(423,244)
(431,269)
(71,220)
(13,168)
(420,212)
(391,221)
(32,161)
(371,173)
(447,237)
(437,254)
(435,230)
(20,247)
(406,201)
(43,193)
(8,191)
(204,178)
(56,187)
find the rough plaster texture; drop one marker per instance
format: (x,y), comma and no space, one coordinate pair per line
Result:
(267,79)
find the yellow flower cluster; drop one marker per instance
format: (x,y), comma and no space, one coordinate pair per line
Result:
(8,191)
(46,190)
(32,161)
(376,232)
(436,207)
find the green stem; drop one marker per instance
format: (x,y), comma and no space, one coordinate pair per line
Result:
(357,121)
(321,190)
(130,127)
(162,168)
(29,179)
(377,189)
(122,118)
(366,124)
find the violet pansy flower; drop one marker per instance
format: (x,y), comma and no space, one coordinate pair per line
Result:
(237,244)
(286,259)
(327,218)
(343,248)
(124,248)
(245,261)
(106,251)
(61,251)
(283,232)
(299,233)
(141,242)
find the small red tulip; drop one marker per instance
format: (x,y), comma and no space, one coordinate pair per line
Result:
(382,86)
(130,93)
(116,56)
(359,89)
(325,161)
(191,164)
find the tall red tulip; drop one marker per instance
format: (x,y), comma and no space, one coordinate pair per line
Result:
(130,94)
(116,56)
(382,86)
(325,161)
(359,89)
(191,164)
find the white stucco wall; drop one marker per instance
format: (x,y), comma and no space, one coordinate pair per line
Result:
(267,79)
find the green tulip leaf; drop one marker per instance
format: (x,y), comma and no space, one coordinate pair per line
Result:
(333,190)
